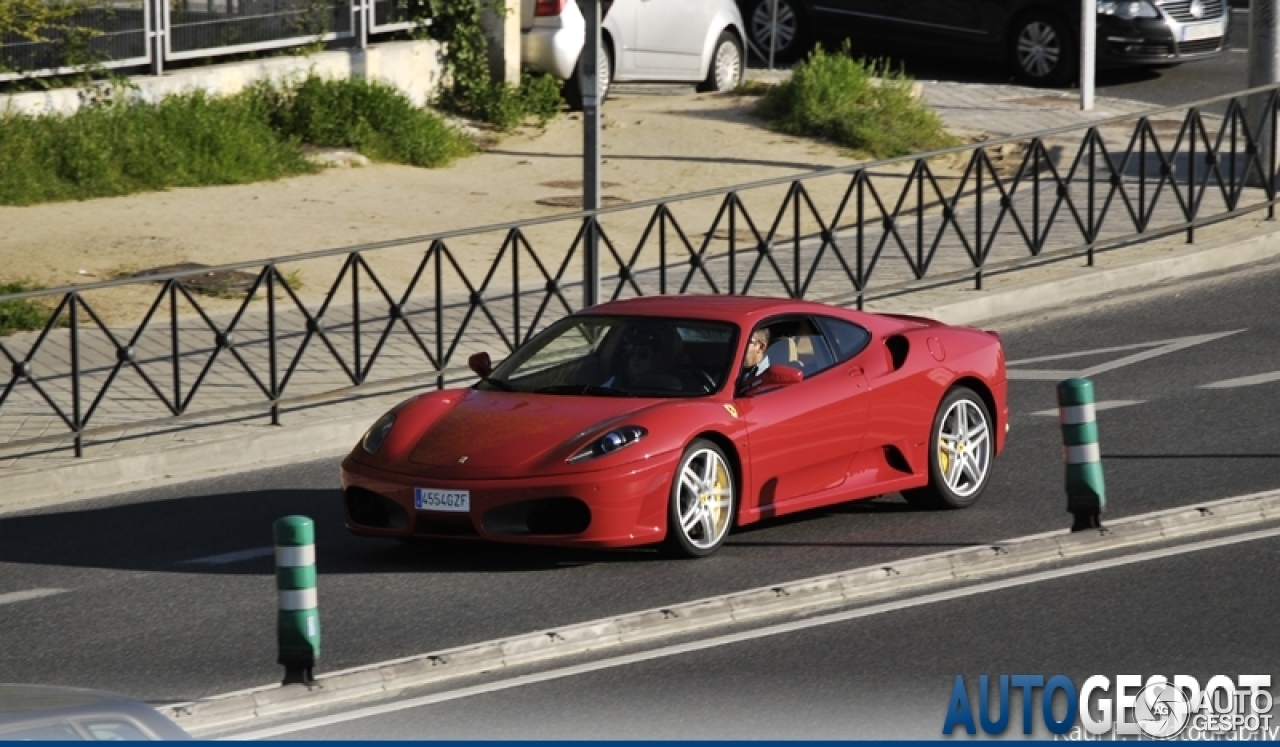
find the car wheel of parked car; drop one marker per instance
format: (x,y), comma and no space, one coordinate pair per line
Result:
(1042,49)
(789,32)
(573,88)
(960,453)
(703,501)
(726,68)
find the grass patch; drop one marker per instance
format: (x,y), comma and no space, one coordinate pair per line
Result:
(193,139)
(23,314)
(861,105)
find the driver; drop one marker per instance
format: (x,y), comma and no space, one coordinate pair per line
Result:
(650,354)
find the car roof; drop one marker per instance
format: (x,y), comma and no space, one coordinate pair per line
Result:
(23,704)
(722,307)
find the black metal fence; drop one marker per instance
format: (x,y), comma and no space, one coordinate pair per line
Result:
(211,344)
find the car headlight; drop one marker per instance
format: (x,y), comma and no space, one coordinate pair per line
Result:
(1127,9)
(378,433)
(615,440)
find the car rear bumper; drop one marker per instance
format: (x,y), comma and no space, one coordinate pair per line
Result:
(607,508)
(552,45)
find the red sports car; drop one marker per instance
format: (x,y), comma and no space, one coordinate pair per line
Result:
(671,419)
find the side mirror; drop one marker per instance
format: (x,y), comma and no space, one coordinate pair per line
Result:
(481,364)
(774,377)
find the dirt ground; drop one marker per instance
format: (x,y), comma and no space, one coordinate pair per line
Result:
(657,141)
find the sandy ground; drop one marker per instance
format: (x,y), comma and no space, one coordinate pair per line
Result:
(657,141)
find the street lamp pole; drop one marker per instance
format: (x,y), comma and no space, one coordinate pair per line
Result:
(589,72)
(1264,70)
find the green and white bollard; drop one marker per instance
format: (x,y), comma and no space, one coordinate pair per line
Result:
(298,621)
(1086,491)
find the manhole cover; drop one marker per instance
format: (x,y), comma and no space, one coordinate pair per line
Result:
(575,201)
(575,184)
(217,282)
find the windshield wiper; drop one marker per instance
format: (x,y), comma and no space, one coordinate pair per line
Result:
(601,391)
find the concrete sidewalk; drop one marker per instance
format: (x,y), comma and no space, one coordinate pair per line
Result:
(34,475)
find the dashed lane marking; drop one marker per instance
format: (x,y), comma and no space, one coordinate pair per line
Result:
(1243,381)
(1109,404)
(22,596)
(231,557)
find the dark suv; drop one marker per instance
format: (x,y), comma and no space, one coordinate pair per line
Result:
(1038,38)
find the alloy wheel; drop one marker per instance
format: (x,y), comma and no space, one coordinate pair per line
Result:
(728,66)
(763,29)
(704,499)
(1038,49)
(964,448)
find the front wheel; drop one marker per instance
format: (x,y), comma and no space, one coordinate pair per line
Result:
(703,502)
(1042,50)
(960,453)
(726,68)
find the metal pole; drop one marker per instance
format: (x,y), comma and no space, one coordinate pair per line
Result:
(773,30)
(590,87)
(1264,70)
(1088,51)
(159,24)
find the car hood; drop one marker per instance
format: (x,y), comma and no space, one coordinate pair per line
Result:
(496,434)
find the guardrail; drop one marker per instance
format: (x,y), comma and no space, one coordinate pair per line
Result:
(213,344)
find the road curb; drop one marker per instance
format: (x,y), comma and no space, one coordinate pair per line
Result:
(240,709)
(264,446)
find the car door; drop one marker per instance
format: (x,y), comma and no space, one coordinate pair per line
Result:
(909,19)
(802,437)
(670,37)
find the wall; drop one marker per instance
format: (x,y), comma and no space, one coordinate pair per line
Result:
(415,67)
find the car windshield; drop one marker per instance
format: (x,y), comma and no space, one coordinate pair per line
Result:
(621,356)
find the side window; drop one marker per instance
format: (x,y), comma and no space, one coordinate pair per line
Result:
(847,339)
(799,343)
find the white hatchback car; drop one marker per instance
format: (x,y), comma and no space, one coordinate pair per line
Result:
(679,41)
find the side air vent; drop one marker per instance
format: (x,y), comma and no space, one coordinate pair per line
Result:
(898,347)
(896,460)
(540,516)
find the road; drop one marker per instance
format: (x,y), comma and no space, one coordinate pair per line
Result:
(1163,86)
(883,676)
(169,595)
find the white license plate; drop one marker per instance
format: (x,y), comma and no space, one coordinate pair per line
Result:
(431,499)
(1199,31)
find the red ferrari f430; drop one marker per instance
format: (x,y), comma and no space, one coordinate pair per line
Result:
(669,420)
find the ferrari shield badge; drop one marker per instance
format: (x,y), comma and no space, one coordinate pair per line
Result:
(732,410)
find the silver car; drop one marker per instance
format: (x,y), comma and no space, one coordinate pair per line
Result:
(46,713)
(679,41)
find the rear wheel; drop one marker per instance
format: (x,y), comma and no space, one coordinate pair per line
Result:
(787,32)
(573,86)
(726,68)
(960,453)
(1042,49)
(703,502)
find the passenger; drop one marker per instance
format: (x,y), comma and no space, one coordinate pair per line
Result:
(650,354)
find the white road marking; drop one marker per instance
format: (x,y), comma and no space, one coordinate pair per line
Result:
(1156,349)
(22,596)
(772,630)
(1109,404)
(1243,381)
(231,557)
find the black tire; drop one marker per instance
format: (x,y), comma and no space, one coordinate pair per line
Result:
(1042,49)
(957,476)
(572,90)
(793,32)
(697,523)
(727,65)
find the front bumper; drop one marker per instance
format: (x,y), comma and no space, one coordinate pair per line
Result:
(1153,41)
(620,507)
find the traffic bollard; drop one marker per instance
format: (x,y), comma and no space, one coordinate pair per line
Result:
(298,621)
(1086,491)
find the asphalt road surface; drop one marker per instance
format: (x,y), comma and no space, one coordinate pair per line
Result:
(884,676)
(169,594)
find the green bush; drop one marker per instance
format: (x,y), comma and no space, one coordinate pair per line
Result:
(22,314)
(194,139)
(861,105)
(374,118)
